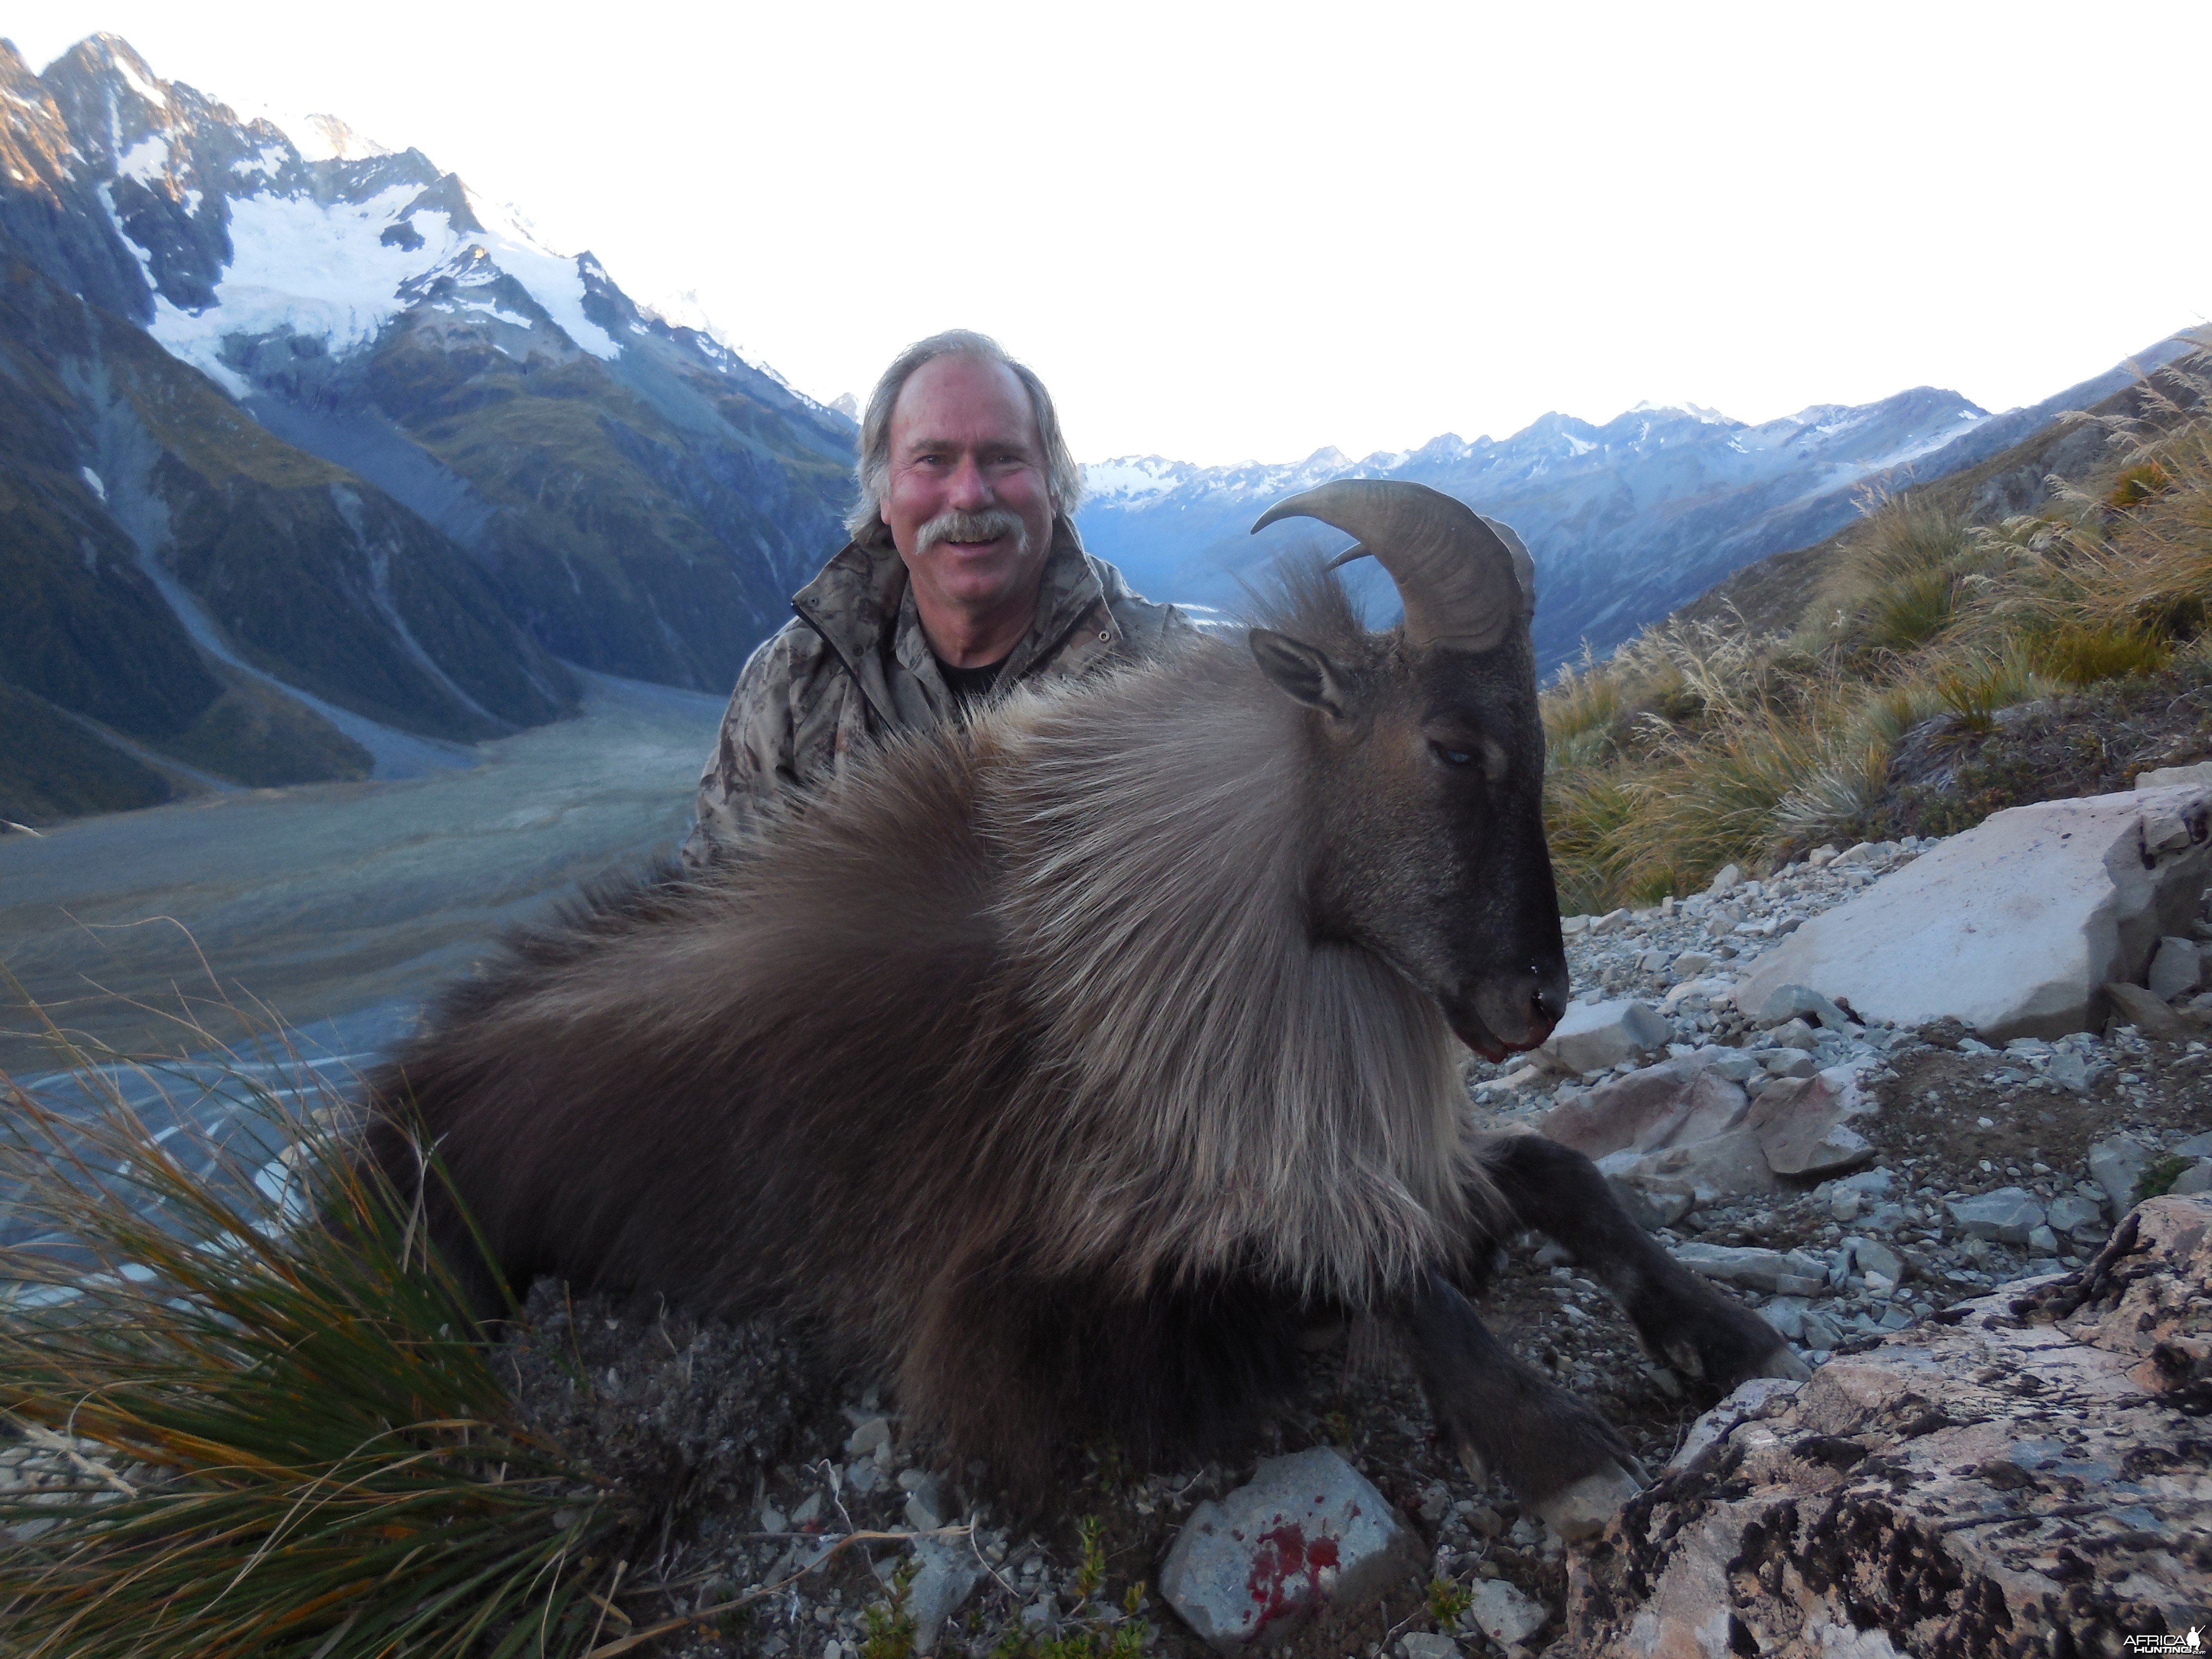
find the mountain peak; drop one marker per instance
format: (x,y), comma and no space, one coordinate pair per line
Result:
(1697,412)
(105,54)
(325,137)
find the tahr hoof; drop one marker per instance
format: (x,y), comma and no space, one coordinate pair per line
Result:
(1581,1511)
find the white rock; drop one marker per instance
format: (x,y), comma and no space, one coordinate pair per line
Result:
(1715,988)
(2166,777)
(869,1437)
(1596,1036)
(1307,1531)
(1504,1614)
(2175,968)
(2013,926)
(946,1575)
(1426,1645)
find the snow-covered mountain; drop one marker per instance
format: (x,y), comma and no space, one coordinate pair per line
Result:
(1625,520)
(643,496)
(309,454)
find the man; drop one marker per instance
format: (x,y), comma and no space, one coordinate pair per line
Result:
(964,574)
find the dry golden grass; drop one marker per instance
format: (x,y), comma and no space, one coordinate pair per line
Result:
(1698,744)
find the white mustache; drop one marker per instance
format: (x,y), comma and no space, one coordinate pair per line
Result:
(955,526)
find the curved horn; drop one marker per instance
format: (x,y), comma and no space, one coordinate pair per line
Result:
(1458,578)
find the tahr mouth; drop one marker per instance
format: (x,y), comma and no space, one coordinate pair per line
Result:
(1474,1030)
(1471,1031)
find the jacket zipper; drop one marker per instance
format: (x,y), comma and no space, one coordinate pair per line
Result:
(846,663)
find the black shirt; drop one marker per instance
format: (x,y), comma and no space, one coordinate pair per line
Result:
(969,686)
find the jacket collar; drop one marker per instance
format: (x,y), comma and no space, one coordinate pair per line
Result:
(861,606)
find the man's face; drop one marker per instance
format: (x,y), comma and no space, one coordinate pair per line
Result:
(967,500)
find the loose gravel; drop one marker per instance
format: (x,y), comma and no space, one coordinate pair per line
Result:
(1993,1166)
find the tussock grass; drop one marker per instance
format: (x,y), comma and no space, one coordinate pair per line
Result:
(1698,744)
(265,1420)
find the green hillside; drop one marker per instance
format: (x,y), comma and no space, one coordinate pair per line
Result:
(123,472)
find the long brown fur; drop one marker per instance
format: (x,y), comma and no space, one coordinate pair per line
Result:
(1012,1062)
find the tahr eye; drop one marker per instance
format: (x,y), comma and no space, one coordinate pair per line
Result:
(1453,756)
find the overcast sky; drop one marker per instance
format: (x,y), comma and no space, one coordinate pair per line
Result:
(1227,232)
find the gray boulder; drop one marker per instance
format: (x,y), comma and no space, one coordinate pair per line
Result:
(1793,1002)
(2073,1214)
(1801,1127)
(2026,1479)
(2175,968)
(1597,1036)
(2016,925)
(1793,1275)
(946,1575)
(2116,1164)
(2007,1215)
(1308,1532)
(2196,1178)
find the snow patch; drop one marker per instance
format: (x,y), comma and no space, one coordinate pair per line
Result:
(299,267)
(1698,412)
(1130,477)
(491,309)
(553,281)
(147,161)
(267,161)
(319,137)
(92,481)
(683,309)
(147,89)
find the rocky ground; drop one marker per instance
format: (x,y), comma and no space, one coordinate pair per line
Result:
(1951,772)
(760,1481)
(1987,1166)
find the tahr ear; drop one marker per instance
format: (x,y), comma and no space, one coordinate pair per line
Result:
(1302,672)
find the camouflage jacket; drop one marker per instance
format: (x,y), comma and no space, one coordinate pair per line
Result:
(854,665)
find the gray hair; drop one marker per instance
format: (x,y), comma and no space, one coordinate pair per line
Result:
(1062,476)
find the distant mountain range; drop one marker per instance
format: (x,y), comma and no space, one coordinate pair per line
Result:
(1626,521)
(310,455)
(315,464)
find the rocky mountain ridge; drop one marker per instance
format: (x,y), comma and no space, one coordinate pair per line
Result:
(1627,520)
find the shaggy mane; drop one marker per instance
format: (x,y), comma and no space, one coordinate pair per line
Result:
(1152,836)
